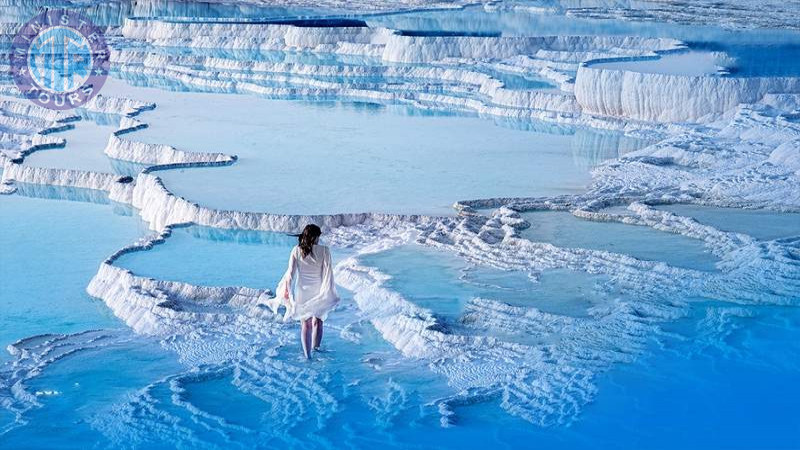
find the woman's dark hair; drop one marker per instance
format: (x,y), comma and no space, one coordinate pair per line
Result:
(308,238)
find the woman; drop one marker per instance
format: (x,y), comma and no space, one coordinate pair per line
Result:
(307,289)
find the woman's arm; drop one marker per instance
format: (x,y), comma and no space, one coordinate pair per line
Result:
(289,275)
(328,285)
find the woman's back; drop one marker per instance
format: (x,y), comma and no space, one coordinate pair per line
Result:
(307,288)
(310,267)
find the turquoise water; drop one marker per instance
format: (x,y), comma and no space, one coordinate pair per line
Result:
(696,359)
(727,387)
(708,378)
(216,257)
(406,157)
(51,249)
(213,257)
(715,375)
(717,365)
(83,387)
(84,148)
(565,230)
(450,283)
(759,224)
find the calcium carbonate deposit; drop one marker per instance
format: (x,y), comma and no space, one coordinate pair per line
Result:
(554,224)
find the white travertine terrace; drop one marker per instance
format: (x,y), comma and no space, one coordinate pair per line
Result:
(565,60)
(745,153)
(157,154)
(655,97)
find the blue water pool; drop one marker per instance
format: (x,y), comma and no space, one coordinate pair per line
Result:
(51,250)
(430,347)
(565,230)
(212,257)
(450,283)
(760,224)
(101,369)
(84,148)
(408,160)
(685,382)
(725,381)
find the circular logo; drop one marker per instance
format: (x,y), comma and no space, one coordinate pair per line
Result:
(59,59)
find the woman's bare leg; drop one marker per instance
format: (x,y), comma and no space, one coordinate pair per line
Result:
(317,333)
(305,336)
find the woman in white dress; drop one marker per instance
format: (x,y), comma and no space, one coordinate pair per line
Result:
(307,289)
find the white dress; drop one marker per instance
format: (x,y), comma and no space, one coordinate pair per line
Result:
(312,292)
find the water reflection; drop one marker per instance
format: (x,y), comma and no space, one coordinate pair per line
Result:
(62,193)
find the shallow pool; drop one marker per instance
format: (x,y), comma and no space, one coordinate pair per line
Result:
(696,63)
(445,283)
(88,374)
(563,229)
(413,162)
(760,224)
(213,257)
(51,249)
(635,367)
(728,369)
(84,148)
(706,372)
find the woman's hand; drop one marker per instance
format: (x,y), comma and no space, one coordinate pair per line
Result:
(286,292)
